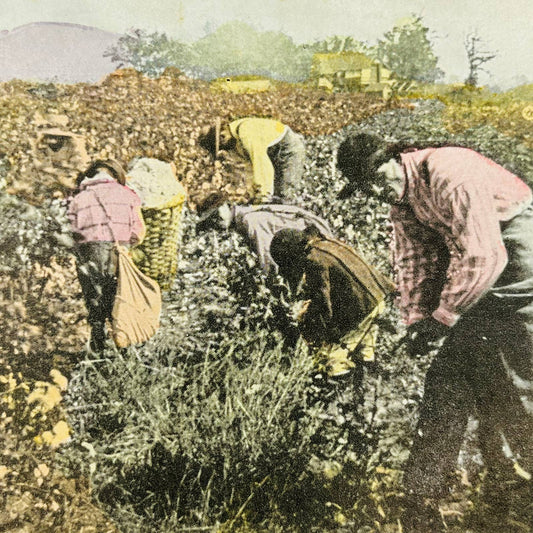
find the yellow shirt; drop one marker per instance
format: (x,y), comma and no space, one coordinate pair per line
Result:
(254,136)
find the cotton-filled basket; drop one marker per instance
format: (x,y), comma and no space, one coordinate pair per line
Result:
(163,198)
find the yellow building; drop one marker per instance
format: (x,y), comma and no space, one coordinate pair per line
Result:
(243,84)
(351,71)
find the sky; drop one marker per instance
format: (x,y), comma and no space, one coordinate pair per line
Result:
(504,25)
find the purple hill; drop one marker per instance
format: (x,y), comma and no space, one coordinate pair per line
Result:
(57,52)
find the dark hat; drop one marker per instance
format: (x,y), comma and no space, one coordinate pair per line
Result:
(207,208)
(112,165)
(287,246)
(288,249)
(209,138)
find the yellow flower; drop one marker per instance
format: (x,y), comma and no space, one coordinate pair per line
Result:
(47,395)
(59,379)
(59,434)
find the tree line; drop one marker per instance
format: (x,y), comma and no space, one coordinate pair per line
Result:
(237,48)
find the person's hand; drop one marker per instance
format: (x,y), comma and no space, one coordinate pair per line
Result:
(426,335)
(301,309)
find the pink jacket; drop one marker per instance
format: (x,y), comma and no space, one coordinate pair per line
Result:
(104,210)
(447,246)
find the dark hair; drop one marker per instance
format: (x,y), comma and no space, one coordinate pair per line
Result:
(360,155)
(113,166)
(208,210)
(212,201)
(288,247)
(356,158)
(208,141)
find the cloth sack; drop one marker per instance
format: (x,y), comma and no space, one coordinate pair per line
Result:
(137,306)
(337,359)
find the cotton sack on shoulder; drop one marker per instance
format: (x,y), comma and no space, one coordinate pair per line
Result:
(137,307)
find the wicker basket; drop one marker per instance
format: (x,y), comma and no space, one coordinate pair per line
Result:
(163,199)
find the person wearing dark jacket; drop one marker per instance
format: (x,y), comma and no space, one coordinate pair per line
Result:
(102,212)
(342,294)
(463,256)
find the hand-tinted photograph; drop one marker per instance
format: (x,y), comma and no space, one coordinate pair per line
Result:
(266,266)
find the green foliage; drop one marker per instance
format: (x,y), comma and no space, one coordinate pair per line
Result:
(149,53)
(408,52)
(233,48)
(236,48)
(504,115)
(206,438)
(337,43)
(523,92)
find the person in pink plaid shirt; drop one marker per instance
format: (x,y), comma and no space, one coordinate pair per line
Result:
(462,252)
(103,211)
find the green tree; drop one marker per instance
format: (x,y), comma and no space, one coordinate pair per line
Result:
(237,48)
(408,51)
(149,53)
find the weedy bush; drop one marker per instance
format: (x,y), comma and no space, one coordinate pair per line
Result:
(509,113)
(208,439)
(38,301)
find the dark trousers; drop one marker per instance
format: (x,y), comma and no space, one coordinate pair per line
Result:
(485,368)
(288,159)
(97,267)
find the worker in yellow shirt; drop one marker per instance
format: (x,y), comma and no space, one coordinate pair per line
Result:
(276,152)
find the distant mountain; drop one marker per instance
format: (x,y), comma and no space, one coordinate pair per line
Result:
(58,52)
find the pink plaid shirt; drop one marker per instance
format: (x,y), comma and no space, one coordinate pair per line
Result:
(104,210)
(447,243)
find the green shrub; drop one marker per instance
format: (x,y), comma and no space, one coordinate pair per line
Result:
(210,440)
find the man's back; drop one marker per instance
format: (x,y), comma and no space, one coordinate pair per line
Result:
(104,210)
(258,224)
(342,286)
